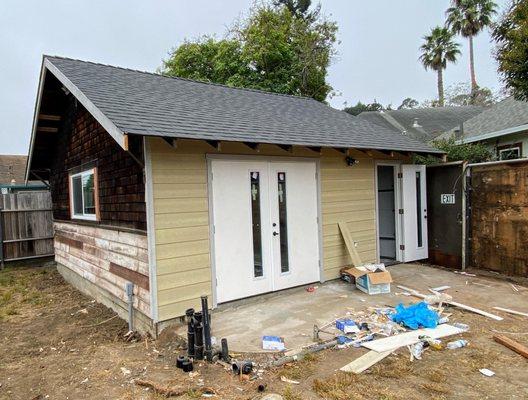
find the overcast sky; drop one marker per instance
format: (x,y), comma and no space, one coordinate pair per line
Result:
(377,58)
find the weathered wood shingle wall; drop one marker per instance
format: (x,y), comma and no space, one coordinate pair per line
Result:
(108,258)
(499,218)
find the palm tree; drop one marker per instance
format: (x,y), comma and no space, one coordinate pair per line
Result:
(438,49)
(469,18)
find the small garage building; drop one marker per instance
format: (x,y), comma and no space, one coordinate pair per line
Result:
(187,188)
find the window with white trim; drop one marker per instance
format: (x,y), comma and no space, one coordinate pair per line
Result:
(83,195)
(510,153)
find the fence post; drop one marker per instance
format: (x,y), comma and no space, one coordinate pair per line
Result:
(1,240)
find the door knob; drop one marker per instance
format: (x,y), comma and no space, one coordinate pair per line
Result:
(275,233)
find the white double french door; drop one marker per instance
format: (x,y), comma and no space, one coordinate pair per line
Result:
(265,226)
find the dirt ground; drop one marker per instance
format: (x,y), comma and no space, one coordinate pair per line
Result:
(56,343)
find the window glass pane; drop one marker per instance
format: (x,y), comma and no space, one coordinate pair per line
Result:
(510,154)
(283,222)
(419,208)
(77,195)
(88,193)
(255,217)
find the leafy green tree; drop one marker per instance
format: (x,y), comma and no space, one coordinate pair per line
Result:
(298,8)
(511,36)
(469,18)
(471,152)
(438,49)
(361,107)
(272,49)
(462,95)
(408,103)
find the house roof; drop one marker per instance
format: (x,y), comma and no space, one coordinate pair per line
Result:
(12,168)
(424,123)
(127,101)
(503,118)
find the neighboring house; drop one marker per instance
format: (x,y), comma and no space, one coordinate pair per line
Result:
(12,174)
(12,169)
(424,124)
(187,188)
(503,127)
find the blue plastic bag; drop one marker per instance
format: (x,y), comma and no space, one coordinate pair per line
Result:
(416,316)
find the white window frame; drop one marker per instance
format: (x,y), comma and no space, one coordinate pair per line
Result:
(83,216)
(510,149)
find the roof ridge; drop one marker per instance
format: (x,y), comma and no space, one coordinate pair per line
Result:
(180,78)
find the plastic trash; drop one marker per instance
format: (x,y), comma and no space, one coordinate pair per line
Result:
(417,349)
(443,320)
(457,344)
(461,326)
(416,316)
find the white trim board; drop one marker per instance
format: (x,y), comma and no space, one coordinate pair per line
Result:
(392,343)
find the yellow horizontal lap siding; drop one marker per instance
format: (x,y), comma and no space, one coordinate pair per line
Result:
(181,214)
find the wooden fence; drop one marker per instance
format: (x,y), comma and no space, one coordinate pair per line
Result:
(26,226)
(499,217)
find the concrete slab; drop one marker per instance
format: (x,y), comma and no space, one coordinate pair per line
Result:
(292,314)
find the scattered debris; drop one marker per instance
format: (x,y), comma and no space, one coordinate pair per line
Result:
(441,288)
(511,311)
(514,287)
(347,326)
(512,345)
(273,343)
(311,289)
(125,371)
(464,273)
(168,391)
(459,305)
(457,344)
(369,278)
(416,316)
(284,379)
(486,372)
(412,337)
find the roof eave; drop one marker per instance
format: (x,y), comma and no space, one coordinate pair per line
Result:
(491,135)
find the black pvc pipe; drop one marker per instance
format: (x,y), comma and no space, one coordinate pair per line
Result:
(190,332)
(225,350)
(198,341)
(207,329)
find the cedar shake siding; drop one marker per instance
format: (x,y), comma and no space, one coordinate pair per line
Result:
(83,143)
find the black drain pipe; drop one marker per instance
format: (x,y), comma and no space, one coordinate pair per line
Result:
(190,332)
(207,329)
(198,336)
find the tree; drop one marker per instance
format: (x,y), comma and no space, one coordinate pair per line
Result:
(272,49)
(298,8)
(462,95)
(511,36)
(361,107)
(469,18)
(471,152)
(439,49)
(408,103)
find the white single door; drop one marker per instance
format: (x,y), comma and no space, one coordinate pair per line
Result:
(241,228)
(295,236)
(265,226)
(414,201)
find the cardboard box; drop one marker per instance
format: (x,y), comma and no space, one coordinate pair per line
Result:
(273,343)
(347,326)
(371,282)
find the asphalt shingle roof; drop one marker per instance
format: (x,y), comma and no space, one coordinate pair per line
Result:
(150,104)
(505,114)
(433,121)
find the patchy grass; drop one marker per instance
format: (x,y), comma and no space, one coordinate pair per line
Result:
(393,367)
(289,394)
(22,286)
(300,370)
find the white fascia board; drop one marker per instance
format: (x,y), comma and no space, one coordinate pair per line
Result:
(35,120)
(105,122)
(491,135)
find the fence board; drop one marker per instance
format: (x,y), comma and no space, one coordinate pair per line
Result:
(27,223)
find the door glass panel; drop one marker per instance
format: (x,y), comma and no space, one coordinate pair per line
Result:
(419,208)
(283,222)
(255,218)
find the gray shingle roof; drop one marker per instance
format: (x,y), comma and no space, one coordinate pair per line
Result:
(150,104)
(508,113)
(432,121)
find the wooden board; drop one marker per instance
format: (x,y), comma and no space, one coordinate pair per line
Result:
(512,344)
(511,311)
(365,361)
(392,343)
(349,242)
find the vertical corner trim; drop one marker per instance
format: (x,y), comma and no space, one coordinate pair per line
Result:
(151,231)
